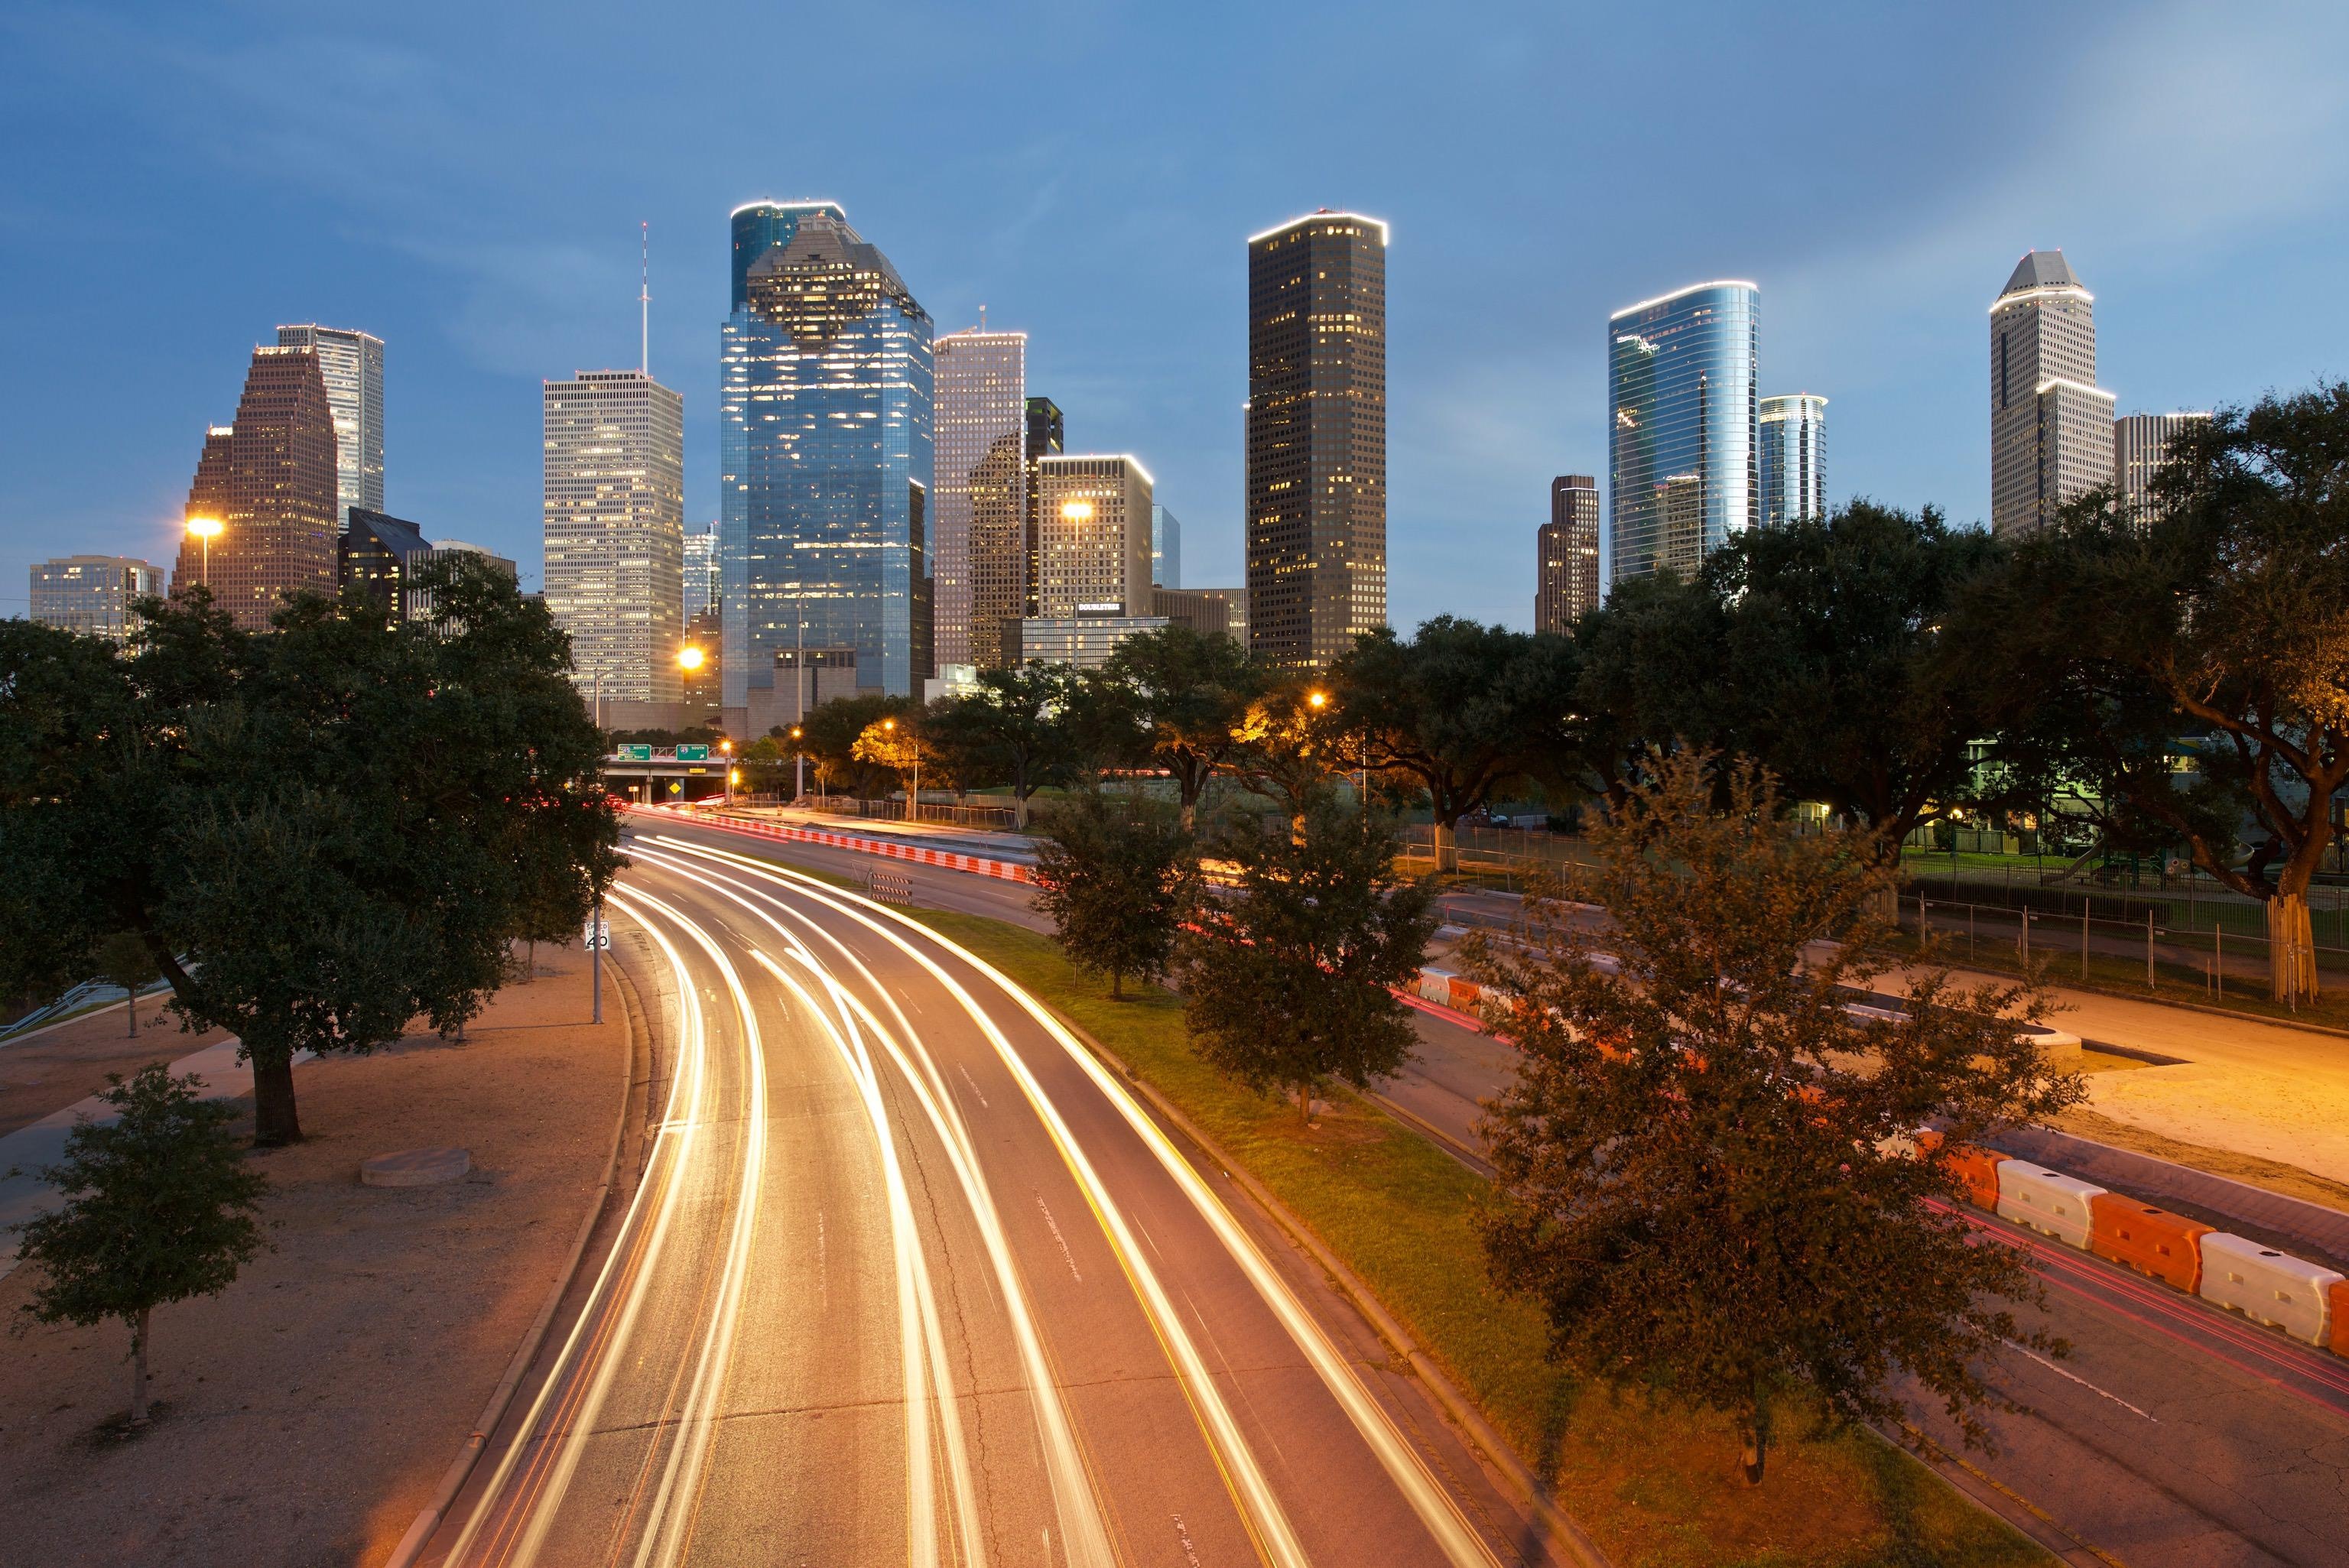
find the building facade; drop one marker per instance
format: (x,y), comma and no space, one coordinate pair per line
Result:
(1681,404)
(1047,435)
(1080,642)
(352,364)
(979,569)
(1165,548)
(825,455)
(1092,535)
(1207,611)
(2051,426)
(1794,457)
(96,596)
(1566,555)
(615,515)
(2140,447)
(1315,487)
(268,482)
(376,556)
(701,581)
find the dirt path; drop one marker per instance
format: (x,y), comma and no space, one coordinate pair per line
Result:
(305,1413)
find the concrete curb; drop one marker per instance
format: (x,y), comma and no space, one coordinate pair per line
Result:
(469,1453)
(1556,1523)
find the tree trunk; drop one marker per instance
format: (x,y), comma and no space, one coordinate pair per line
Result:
(1305,1103)
(1446,848)
(2292,949)
(1116,986)
(530,960)
(130,1007)
(274,1124)
(138,1366)
(1753,1437)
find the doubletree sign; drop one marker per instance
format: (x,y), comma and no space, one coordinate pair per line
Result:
(693,754)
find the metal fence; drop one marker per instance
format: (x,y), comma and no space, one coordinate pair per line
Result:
(2210,960)
(1002,817)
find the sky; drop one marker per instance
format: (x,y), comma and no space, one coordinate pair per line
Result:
(467,181)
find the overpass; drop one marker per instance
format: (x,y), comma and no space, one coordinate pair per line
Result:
(665,775)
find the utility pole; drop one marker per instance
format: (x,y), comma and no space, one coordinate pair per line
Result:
(596,937)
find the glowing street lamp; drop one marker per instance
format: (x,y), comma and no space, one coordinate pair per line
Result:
(206,528)
(690,659)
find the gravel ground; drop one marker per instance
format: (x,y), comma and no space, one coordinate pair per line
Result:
(305,1413)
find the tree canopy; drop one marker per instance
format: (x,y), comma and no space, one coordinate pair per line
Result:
(1191,694)
(1117,877)
(1704,1168)
(320,832)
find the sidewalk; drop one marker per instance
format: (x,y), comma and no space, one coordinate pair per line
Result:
(305,1413)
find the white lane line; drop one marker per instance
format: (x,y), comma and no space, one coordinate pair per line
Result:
(973,1086)
(1274,1537)
(1437,1509)
(1067,1256)
(1074,1501)
(676,1143)
(2082,1382)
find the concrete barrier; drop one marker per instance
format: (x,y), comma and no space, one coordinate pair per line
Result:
(1436,986)
(2046,1201)
(2269,1287)
(2136,1234)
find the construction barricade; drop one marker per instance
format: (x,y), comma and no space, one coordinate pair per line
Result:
(1976,1168)
(2133,1233)
(1436,986)
(2269,1287)
(2046,1201)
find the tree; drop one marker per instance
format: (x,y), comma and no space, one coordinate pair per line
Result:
(832,729)
(318,833)
(1191,693)
(1460,710)
(2185,679)
(1011,725)
(159,1207)
(1650,675)
(123,960)
(1118,878)
(1284,746)
(1286,985)
(1700,1165)
(896,743)
(1099,720)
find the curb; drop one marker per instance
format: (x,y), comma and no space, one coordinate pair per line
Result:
(1558,1526)
(2019,1513)
(469,1453)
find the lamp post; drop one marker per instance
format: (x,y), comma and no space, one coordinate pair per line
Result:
(799,767)
(206,528)
(913,799)
(726,753)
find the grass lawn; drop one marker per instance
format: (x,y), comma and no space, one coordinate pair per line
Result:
(1656,1486)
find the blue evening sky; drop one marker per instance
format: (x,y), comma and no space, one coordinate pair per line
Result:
(466,181)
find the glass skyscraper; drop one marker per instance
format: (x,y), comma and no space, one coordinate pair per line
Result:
(824,418)
(1794,457)
(1680,402)
(2051,426)
(979,526)
(352,364)
(615,509)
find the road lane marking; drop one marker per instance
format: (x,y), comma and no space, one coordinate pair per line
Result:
(2082,1382)
(1067,1256)
(1436,1508)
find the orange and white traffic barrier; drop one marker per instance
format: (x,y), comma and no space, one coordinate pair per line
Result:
(2136,1234)
(2270,1286)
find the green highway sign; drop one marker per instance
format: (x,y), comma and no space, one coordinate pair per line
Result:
(635,753)
(693,754)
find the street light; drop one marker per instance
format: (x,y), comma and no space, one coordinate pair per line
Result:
(206,528)
(733,774)
(914,795)
(690,659)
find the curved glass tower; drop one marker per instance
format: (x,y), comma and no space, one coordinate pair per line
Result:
(1681,429)
(1794,457)
(825,416)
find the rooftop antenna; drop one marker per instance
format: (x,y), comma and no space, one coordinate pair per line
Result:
(645,298)
(982,318)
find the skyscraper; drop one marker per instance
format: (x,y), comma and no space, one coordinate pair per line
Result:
(268,480)
(1317,438)
(1681,425)
(2140,445)
(1794,457)
(1565,558)
(701,590)
(1165,547)
(1047,434)
(1092,536)
(352,364)
(978,570)
(2051,426)
(93,595)
(615,531)
(377,558)
(825,389)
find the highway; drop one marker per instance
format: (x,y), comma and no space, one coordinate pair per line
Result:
(2174,1437)
(910,1276)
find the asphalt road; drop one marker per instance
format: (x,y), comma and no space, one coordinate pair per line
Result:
(2175,1435)
(909,1277)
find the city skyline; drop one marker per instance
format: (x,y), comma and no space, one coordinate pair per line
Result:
(518,266)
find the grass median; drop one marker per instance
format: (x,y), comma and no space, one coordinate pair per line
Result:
(1656,1484)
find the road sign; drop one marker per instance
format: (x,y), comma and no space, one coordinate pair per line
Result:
(633,752)
(675,787)
(598,934)
(693,754)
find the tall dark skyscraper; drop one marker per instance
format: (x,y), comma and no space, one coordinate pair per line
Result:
(1046,436)
(1567,556)
(1317,438)
(269,481)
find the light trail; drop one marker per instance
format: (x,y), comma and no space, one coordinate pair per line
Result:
(1435,1507)
(1083,1533)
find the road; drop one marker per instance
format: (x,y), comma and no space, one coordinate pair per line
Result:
(2174,1437)
(910,1277)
